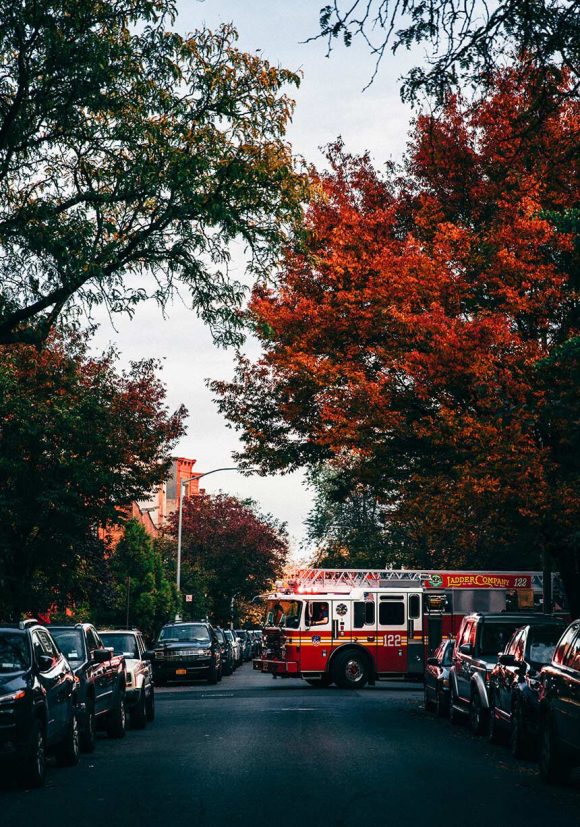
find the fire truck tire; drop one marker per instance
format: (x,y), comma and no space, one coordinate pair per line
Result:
(351,670)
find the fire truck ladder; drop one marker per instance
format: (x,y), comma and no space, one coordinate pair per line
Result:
(328,579)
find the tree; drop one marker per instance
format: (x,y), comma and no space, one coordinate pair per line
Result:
(408,340)
(78,441)
(468,40)
(233,550)
(141,593)
(130,158)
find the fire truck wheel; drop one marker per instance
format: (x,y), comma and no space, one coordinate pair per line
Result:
(351,670)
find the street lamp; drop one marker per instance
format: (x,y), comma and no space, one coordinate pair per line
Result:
(180,519)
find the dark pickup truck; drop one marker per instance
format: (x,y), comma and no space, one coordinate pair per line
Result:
(101,681)
(560,709)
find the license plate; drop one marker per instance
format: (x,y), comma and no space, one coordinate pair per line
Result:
(181,671)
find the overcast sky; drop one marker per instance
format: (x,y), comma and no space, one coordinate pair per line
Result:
(329,103)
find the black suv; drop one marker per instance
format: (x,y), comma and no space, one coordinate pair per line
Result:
(101,681)
(481,638)
(37,702)
(186,651)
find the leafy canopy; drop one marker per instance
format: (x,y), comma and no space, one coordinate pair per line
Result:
(78,440)
(469,40)
(424,339)
(131,157)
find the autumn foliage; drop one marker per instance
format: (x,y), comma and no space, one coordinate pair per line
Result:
(423,337)
(230,550)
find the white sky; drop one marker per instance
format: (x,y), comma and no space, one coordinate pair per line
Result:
(330,102)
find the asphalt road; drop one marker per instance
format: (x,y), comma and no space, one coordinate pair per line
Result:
(263,752)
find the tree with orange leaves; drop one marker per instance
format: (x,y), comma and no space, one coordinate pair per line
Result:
(423,338)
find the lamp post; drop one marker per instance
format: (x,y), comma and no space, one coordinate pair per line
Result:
(180,518)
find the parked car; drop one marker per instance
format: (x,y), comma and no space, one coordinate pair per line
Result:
(227,652)
(560,709)
(101,681)
(514,687)
(245,643)
(186,651)
(481,636)
(236,646)
(139,691)
(38,700)
(437,678)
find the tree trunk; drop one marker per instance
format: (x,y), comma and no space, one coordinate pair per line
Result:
(568,564)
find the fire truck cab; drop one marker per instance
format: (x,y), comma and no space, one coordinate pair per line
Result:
(355,627)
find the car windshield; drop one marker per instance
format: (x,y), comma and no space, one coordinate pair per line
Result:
(283,613)
(186,632)
(70,643)
(14,652)
(229,635)
(122,644)
(447,655)
(541,645)
(494,637)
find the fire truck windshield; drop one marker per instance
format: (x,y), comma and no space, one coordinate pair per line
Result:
(283,613)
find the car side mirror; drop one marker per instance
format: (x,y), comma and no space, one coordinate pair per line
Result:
(433,662)
(148,654)
(466,649)
(507,660)
(102,655)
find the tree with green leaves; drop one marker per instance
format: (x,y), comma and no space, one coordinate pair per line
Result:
(78,440)
(131,157)
(141,592)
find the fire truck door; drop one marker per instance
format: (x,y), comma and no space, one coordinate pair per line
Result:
(392,633)
(341,621)
(415,642)
(316,638)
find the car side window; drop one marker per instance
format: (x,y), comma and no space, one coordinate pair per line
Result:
(37,647)
(92,641)
(572,655)
(561,650)
(48,645)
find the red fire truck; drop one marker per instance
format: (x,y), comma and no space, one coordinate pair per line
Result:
(355,626)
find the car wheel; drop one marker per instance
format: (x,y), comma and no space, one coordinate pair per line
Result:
(427,702)
(477,716)
(553,769)
(88,735)
(34,762)
(519,742)
(213,675)
(441,703)
(68,751)
(220,674)
(116,720)
(350,670)
(138,713)
(150,706)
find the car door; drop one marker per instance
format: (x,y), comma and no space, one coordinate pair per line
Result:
(50,678)
(99,673)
